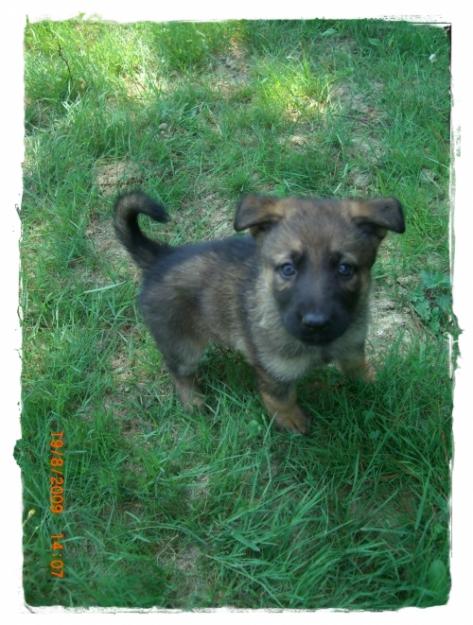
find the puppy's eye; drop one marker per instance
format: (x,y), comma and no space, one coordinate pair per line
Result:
(345,270)
(287,270)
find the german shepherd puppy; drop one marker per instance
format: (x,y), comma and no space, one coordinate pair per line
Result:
(291,295)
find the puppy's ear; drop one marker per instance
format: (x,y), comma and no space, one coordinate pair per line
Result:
(258,212)
(378,215)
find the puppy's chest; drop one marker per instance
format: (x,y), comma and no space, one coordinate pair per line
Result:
(291,367)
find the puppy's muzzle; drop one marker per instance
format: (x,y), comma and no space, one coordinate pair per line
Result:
(315,321)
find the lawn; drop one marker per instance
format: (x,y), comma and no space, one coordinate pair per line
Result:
(162,508)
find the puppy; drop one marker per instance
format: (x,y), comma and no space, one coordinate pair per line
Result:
(291,295)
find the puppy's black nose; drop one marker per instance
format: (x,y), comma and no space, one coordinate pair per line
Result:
(315,321)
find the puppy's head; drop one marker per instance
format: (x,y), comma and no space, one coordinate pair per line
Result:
(316,257)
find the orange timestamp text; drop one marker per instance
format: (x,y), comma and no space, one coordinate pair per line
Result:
(56,565)
(56,480)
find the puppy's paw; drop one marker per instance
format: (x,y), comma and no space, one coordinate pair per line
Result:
(293,420)
(368,373)
(189,395)
(357,369)
(195,402)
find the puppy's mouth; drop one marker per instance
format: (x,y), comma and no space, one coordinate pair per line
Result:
(321,337)
(315,336)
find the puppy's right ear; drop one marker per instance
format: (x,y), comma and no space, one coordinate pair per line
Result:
(258,212)
(378,215)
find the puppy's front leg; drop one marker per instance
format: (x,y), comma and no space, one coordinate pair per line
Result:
(280,400)
(355,365)
(189,393)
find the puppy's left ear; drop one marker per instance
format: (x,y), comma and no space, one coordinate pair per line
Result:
(258,213)
(378,215)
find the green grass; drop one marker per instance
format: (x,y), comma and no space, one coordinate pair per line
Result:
(179,511)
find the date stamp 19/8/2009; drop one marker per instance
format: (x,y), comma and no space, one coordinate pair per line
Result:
(56,499)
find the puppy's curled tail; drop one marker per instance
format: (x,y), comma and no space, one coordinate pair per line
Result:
(128,206)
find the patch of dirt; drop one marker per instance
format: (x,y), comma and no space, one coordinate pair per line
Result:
(110,178)
(120,365)
(299,140)
(199,489)
(360,108)
(381,517)
(368,147)
(185,558)
(231,69)
(102,235)
(388,322)
(360,180)
(345,45)
(219,216)
(208,213)
(113,176)
(357,104)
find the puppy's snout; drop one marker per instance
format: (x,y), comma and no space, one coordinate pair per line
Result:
(315,321)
